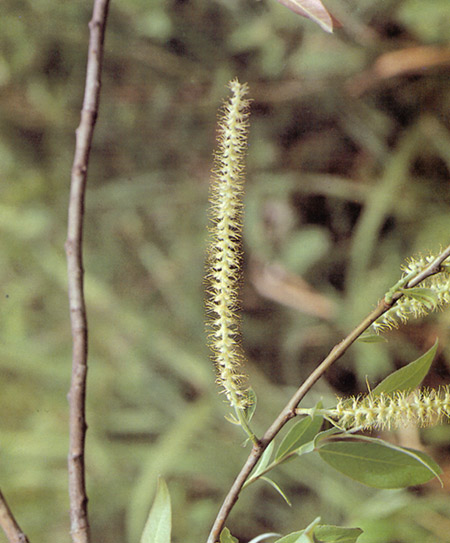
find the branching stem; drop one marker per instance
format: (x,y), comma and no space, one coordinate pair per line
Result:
(290,410)
(74,254)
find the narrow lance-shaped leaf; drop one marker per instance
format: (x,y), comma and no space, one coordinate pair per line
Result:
(311,9)
(323,534)
(367,337)
(274,485)
(301,432)
(409,376)
(264,461)
(294,537)
(303,536)
(321,436)
(159,523)
(336,534)
(250,408)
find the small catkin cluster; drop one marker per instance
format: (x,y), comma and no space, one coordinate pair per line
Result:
(224,258)
(423,407)
(420,262)
(435,294)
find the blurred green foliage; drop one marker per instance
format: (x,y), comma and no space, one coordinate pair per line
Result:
(347,175)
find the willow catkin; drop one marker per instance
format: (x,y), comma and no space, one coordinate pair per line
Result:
(422,407)
(224,259)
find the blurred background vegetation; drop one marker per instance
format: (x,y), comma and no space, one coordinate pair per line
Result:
(348,167)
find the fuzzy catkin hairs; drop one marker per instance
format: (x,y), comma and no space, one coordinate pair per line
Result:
(433,294)
(224,254)
(424,407)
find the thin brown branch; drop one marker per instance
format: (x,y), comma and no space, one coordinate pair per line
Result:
(9,524)
(289,411)
(74,253)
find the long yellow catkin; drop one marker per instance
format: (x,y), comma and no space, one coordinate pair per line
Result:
(422,407)
(224,259)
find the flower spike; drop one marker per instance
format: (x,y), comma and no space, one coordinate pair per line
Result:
(224,258)
(424,407)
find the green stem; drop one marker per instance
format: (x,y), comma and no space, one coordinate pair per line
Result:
(245,425)
(388,297)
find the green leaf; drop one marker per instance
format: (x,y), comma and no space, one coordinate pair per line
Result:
(306,448)
(336,534)
(232,418)
(159,523)
(379,465)
(421,457)
(309,530)
(303,536)
(264,461)
(425,296)
(226,537)
(294,537)
(326,433)
(409,376)
(262,537)
(371,338)
(301,432)
(251,405)
(316,533)
(278,489)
